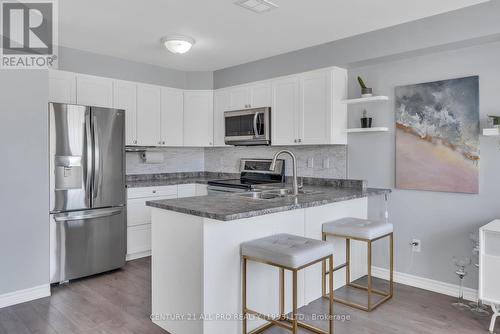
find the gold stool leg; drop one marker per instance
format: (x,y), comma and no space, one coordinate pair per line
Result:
(391,265)
(347,261)
(323,272)
(369,243)
(282,293)
(330,301)
(294,302)
(244,295)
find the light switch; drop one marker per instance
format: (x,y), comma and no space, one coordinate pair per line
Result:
(310,162)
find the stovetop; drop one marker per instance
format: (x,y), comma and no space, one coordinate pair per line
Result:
(254,172)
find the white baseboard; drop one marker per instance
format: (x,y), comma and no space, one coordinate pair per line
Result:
(25,295)
(425,283)
(135,256)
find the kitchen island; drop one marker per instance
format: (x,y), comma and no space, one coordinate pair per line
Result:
(196,267)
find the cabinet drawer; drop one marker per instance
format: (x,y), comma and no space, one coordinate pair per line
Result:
(139,239)
(152,191)
(137,211)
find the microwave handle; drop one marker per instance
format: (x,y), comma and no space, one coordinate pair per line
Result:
(255,129)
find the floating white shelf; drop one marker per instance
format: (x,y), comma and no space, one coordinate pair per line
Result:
(491,132)
(366,99)
(376,129)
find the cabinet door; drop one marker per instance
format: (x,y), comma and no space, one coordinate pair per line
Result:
(315,111)
(198,118)
(94,91)
(221,104)
(239,98)
(260,95)
(62,87)
(125,97)
(284,112)
(148,115)
(172,117)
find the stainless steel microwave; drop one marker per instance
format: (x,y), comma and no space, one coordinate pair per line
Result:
(248,127)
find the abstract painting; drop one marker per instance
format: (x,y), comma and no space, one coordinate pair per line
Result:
(437,136)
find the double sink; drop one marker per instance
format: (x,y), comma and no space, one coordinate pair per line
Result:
(267,194)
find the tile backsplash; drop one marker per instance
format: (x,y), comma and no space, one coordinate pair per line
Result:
(325,161)
(177,159)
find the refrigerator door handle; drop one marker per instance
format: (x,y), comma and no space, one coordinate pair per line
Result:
(64,217)
(97,159)
(90,158)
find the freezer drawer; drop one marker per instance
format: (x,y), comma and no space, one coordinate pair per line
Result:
(87,242)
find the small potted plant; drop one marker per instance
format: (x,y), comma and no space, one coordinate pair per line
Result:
(366,122)
(365,91)
(495,120)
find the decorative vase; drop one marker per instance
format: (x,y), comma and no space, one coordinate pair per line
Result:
(366,92)
(366,122)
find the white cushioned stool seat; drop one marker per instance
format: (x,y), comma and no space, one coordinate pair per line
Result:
(287,250)
(358,228)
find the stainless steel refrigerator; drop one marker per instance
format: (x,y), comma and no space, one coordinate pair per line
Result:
(88,225)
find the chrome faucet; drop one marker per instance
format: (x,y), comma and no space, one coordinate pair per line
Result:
(294,165)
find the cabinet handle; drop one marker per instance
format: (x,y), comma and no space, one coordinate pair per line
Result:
(295,140)
(163,142)
(154,191)
(300,140)
(135,141)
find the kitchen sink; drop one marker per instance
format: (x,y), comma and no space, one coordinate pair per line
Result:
(275,193)
(259,195)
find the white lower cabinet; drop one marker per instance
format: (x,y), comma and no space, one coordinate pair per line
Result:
(139,215)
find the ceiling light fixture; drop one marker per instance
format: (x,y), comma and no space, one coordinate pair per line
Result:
(178,44)
(256,6)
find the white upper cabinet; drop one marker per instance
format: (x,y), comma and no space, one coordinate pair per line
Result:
(315,107)
(285,111)
(198,118)
(250,96)
(172,117)
(94,91)
(125,97)
(221,104)
(239,98)
(307,109)
(62,87)
(260,95)
(148,115)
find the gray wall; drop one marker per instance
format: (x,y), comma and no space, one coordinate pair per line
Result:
(117,68)
(24,214)
(442,221)
(462,27)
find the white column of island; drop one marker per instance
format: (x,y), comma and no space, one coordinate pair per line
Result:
(196,266)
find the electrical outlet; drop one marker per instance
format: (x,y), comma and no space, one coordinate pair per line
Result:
(326,163)
(310,162)
(416,245)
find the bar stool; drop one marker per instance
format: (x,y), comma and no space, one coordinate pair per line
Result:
(361,230)
(286,252)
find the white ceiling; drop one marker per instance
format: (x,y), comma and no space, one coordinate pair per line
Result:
(226,34)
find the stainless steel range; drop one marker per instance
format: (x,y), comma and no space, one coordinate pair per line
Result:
(253,172)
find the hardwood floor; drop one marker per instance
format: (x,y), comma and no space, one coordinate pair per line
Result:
(120,302)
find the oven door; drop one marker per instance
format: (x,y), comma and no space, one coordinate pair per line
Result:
(247,127)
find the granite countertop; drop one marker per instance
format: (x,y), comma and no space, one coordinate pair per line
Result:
(226,207)
(157,180)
